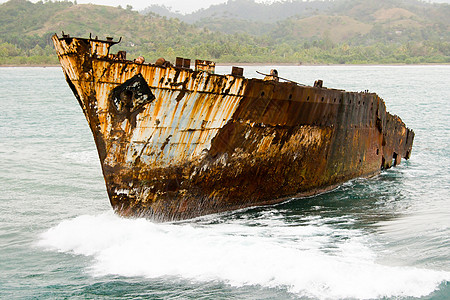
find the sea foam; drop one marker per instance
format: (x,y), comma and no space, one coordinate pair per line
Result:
(305,258)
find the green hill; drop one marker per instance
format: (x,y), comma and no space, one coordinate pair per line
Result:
(389,19)
(248,10)
(341,31)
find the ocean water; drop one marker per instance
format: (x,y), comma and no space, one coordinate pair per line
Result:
(384,237)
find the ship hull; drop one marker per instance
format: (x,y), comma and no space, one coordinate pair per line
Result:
(176,143)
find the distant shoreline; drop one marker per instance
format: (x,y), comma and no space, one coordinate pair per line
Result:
(253,64)
(27,66)
(318,65)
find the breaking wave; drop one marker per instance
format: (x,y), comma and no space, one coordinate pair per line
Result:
(311,259)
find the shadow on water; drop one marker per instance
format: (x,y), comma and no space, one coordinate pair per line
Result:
(358,203)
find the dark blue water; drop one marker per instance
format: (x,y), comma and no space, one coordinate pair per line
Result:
(384,237)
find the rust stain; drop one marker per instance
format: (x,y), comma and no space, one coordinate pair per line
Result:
(176,143)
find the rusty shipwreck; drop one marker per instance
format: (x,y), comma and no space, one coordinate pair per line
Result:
(176,143)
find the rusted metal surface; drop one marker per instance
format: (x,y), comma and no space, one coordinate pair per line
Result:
(175,143)
(205,65)
(182,62)
(237,71)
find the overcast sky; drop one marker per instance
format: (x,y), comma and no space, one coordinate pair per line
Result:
(184,6)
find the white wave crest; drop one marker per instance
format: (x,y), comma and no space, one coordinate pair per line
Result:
(302,258)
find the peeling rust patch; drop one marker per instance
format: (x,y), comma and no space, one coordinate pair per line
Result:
(132,94)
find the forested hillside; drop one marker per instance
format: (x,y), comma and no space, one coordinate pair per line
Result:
(341,31)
